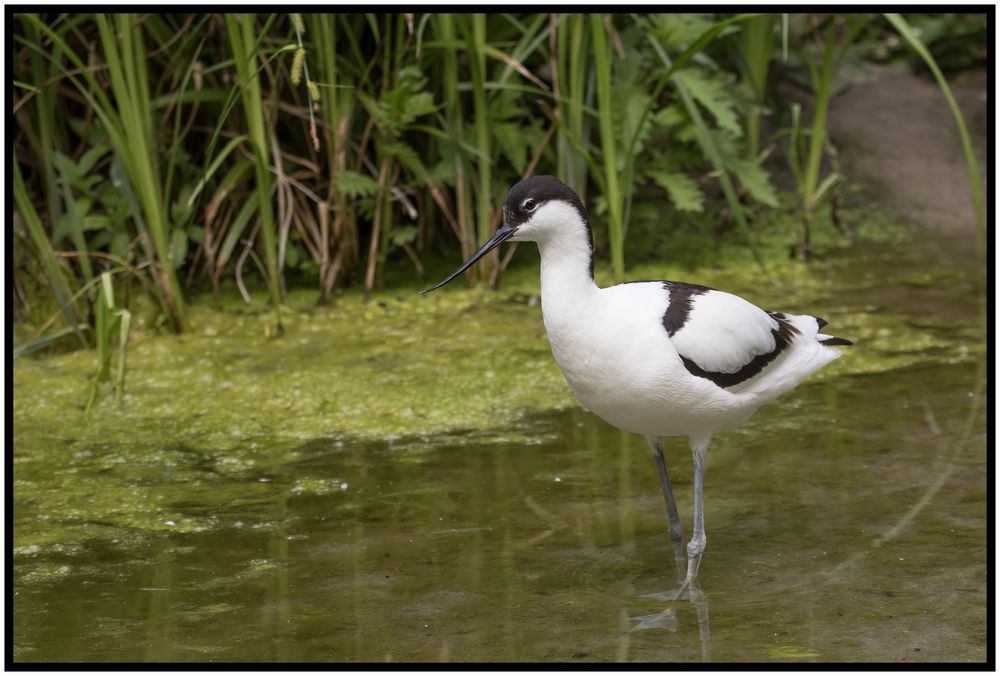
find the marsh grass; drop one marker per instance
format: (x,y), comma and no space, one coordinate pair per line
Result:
(185,150)
(979,204)
(244,40)
(755,53)
(44,251)
(806,147)
(110,322)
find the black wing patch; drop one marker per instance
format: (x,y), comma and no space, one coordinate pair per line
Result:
(681,295)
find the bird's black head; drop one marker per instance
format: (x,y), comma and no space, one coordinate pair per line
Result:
(532,210)
(527,197)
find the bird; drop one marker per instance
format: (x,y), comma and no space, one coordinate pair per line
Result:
(656,358)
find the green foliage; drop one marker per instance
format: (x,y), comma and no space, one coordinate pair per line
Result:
(682,190)
(752,176)
(191,149)
(714,91)
(401,105)
(110,322)
(354,184)
(676,31)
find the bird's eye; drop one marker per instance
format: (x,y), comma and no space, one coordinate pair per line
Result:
(529,204)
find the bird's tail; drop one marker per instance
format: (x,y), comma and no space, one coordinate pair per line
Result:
(824,339)
(809,352)
(832,340)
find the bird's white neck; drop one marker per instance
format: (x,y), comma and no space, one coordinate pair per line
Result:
(566,261)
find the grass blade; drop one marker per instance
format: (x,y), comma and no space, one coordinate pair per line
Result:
(757,45)
(124,328)
(605,108)
(216,162)
(900,24)
(41,342)
(109,321)
(244,47)
(453,145)
(60,288)
(476,41)
(822,82)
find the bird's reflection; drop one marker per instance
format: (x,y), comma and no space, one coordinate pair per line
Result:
(668,617)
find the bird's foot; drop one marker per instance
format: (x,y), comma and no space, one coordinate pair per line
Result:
(665,619)
(688,591)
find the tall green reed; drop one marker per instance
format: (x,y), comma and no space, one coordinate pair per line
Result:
(454,124)
(327,34)
(244,41)
(57,280)
(975,181)
(757,45)
(129,82)
(811,188)
(606,104)
(572,100)
(128,122)
(44,72)
(475,35)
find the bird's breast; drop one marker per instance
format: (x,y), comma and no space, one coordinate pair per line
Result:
(611,356)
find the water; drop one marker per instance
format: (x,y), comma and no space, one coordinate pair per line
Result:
(845,522)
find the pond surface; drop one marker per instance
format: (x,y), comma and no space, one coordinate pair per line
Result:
(391,494)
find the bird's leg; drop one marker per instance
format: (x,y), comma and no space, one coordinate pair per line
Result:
(676,530)
(696,547)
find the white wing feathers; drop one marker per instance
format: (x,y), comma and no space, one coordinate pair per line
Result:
(723,333)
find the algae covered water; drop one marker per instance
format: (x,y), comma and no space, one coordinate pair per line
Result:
(411,480)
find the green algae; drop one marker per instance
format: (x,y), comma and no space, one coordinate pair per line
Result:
(227,401)
(356,369)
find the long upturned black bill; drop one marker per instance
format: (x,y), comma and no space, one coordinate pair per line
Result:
(500,235)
